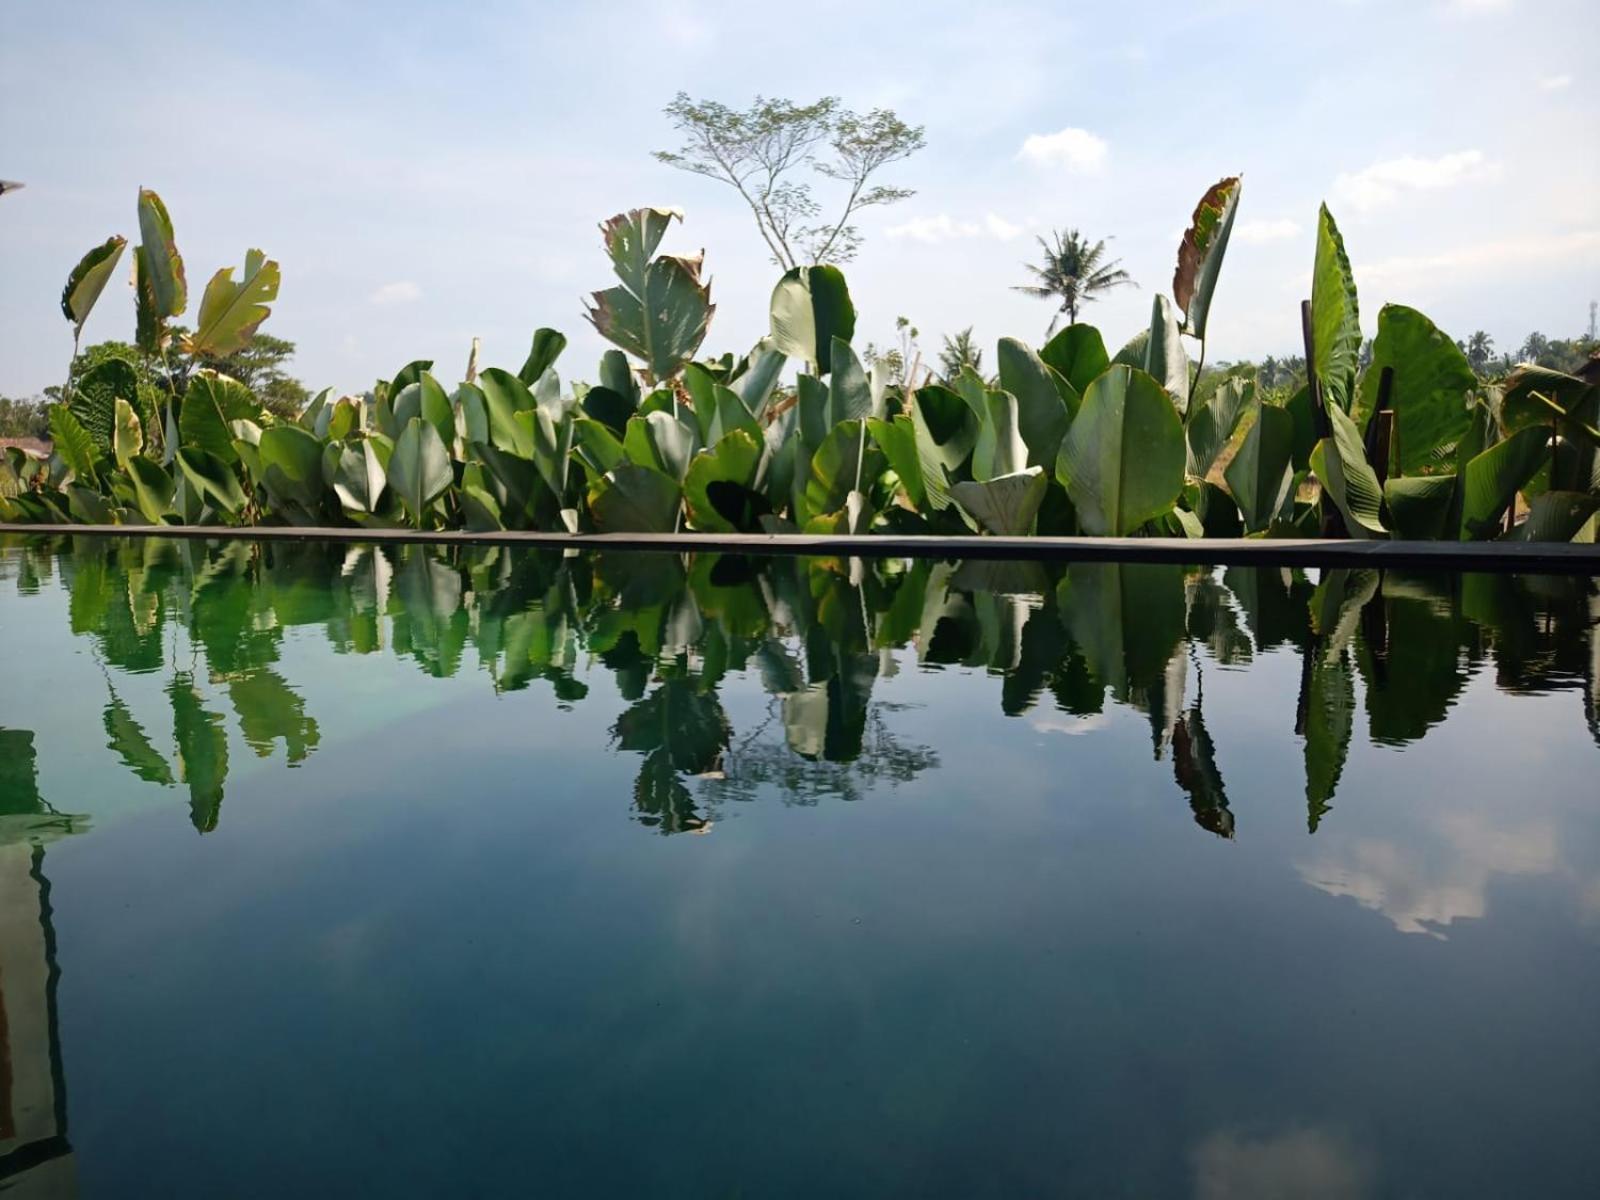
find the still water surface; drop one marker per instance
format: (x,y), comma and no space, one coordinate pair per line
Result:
(414,871)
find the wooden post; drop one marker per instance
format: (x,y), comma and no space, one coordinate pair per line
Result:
(1332,521)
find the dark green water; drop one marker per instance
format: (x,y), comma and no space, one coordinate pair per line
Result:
(334,870)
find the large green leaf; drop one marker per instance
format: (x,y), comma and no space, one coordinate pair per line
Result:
(635,499)
(721,487)
(946,432)
(356,475)
(230,313)
(631,239)
(1165,359)
(1261,474)
(419,468)
(202,751)
(1347,479)
(127,737)
(94,397)
(1042,414)
(1078,355)
(152,488)
(163,267)
(1328,710)
(662,442)
(89,278)
(1122,459)
(505,396)
(1433,386)
(1419,505)
(1212,423)
(661,319)
(846,461)
(1001,449)
(1335,320)
(1200,254)
(73,443)
(547,347)
(1557,516)
(427,399)
(213,478)
(1492,479)
(202,426)
(897,438)
(849,392)
(810,307)
(291,466)
(1006,505)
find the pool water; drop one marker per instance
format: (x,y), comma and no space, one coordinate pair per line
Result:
(351,869)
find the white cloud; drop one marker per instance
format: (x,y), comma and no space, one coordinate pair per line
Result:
(1076,149)
(945,228)
(1555,83)
(1580,246)
(401,292)
(1256,232)
(1382,182)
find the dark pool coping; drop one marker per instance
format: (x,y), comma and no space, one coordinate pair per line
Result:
(1518,557)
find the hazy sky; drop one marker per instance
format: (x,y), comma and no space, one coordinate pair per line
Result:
(427,172)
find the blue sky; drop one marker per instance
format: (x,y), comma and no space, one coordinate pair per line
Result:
(426,173)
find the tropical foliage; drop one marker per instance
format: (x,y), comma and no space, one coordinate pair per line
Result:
(1399,439)
(195,637)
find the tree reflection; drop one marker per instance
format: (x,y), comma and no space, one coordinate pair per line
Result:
(818,635)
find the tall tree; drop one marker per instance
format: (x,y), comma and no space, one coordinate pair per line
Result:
(1073,271)
(1479,349)
(761,152)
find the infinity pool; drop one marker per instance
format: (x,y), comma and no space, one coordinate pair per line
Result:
(418,871)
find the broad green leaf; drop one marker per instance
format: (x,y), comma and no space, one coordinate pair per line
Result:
(230,313)
(1165,359)
(609,407)
(1492,479)
(94,397)
(152,488)
(1200,254)
(73,442)
(946,432)
(426,399)
(1347,479)
(202,426)
(1006,505)
(202,751)
(356,475)
(1078,355)
(1556,516)
(1433,386)
(1420,505)
(846,461)
(213,478)
(291,466)
(664,323)
(89,278)
(506,396)
(1533,394)
(127,737)
(1122,459)
(547,347)
(1335,320)
(849,392)
(631,239)
(1261,474)
(1328,718)
(853,518)
(897,438)
(419,470)
(1001,449)
(635,499)
(599,443)
(720,489)
(810,307)
(233,400)
(1212,423)
(661,442)
(1042,415)
(89,506)
(163,266)
(755,386)
(127,438)
(617,374)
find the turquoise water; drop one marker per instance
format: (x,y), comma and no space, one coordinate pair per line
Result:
(410,871)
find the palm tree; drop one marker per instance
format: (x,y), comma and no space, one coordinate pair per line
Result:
(1479,349)
(1073,271)
(958,352)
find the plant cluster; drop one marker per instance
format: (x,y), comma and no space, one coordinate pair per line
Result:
(1068,439)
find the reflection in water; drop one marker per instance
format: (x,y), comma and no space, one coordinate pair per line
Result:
(739,679)
(818,633)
